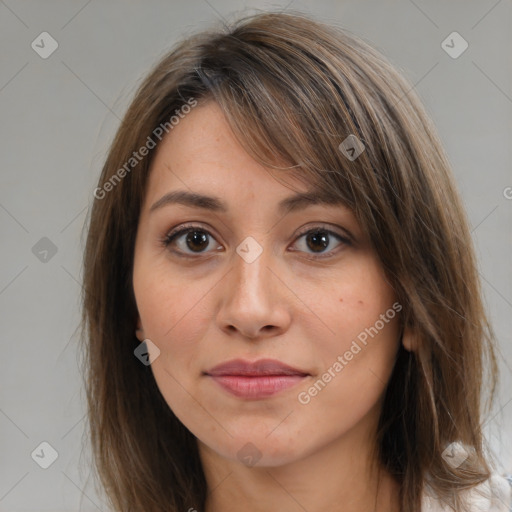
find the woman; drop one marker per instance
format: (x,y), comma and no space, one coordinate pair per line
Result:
(231,362)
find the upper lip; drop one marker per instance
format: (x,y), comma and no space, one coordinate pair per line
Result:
(254,368)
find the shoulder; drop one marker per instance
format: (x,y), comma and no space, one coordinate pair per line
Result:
(493,495)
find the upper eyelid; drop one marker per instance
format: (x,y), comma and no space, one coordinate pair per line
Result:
(184,228)
(326,228)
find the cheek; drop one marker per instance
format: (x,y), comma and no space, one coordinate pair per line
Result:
(171,309)
(350,304)
(353,378)
(358,352)
(174,318)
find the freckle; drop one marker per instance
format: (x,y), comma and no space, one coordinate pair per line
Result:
(341,300)
(359,301)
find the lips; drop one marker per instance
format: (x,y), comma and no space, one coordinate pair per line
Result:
(255,380)
(239,367)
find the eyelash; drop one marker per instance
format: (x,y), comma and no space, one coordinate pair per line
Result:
(185,229)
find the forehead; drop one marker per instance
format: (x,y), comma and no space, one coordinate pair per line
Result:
(204,140)
(202,155)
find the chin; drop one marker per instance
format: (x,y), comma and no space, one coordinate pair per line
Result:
(259,450)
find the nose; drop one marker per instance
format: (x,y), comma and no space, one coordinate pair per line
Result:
(254,302)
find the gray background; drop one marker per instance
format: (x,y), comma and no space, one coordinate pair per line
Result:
(58,117)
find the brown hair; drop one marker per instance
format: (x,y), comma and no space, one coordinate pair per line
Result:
(293,89)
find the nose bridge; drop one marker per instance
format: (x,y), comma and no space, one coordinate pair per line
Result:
(251,300)
(251,274)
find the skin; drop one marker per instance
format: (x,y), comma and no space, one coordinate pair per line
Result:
(285,305)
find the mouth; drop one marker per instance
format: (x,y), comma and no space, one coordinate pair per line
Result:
(255,380)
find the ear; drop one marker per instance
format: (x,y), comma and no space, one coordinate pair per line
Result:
(409,340)
(139,331)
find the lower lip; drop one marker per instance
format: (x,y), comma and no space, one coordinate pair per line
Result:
(256,387)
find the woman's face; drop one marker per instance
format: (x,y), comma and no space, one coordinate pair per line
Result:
(254,280)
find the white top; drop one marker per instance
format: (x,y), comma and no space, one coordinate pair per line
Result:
(493,495)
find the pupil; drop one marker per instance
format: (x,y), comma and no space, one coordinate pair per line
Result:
(318,237)
(197,237)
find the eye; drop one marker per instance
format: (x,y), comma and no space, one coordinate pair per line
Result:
(319,239)
(193,238)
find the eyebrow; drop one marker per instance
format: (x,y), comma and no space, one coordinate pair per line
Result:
(287,205)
